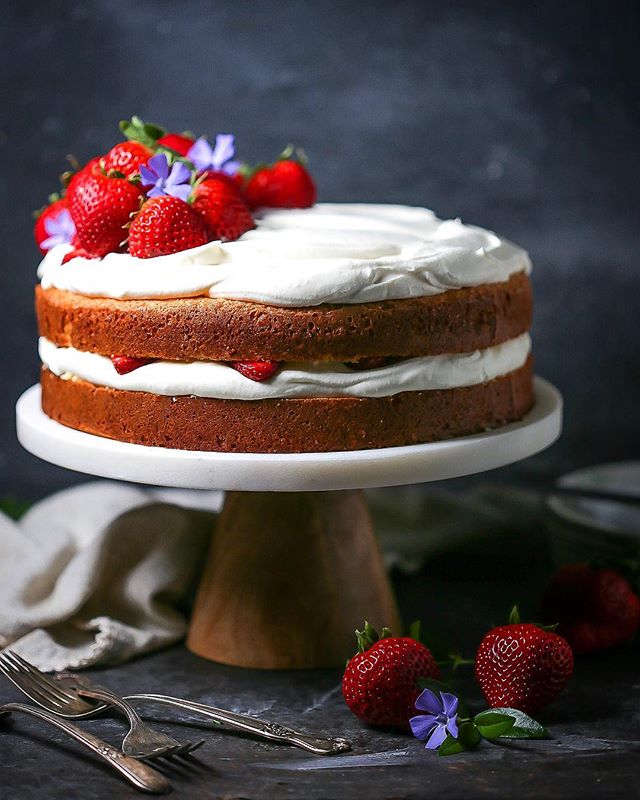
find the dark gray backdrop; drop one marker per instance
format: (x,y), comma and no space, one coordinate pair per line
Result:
(521,117)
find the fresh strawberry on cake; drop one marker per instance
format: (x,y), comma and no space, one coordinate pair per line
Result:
(189,301)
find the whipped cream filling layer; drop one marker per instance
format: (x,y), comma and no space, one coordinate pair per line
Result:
(318,379)
(330,253)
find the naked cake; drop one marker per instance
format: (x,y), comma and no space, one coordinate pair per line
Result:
(189,303)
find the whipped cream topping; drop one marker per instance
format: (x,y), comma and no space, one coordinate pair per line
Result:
(319,379)
(330,253)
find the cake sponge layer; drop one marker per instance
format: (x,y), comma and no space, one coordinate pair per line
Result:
(203,328)
(316,424)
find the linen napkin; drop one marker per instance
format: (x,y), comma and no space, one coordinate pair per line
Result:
(105,571)
(101,572)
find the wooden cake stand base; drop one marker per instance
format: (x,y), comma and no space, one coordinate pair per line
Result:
(294,566)
(289,578)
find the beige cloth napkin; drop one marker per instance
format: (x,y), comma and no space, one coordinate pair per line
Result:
(105,571)
(101,572)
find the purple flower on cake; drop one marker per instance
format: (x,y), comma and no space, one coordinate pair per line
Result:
(162,180)
(60,228)
(440,719)
(218,158)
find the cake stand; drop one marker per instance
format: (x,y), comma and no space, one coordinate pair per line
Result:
(294,566)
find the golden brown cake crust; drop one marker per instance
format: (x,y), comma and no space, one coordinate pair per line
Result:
(203,328)
(287,425)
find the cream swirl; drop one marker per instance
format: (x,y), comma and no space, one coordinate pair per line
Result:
(214,379)
(330,253)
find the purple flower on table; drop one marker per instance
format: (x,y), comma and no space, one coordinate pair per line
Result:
(60,228)
(218,158)
(440,718)
(162,180)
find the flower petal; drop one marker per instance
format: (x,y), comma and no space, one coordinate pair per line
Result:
(147,176)
(60,225)
(157,190)
(422,725)
(449,703)
(53,241)
(429,701)
(224,150)
(160,165)
(452,726)
(182,191)
(200,154)
(231,167)
(437,737)
(180,173)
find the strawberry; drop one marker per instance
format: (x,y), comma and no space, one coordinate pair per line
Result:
(256,370)
(77,252)
(101,208)
(285,184)
(229,181)
(126,157)
(53,225)
(91,167)
(380,683)
(596,608)
(521,665)
(221,206)
(165,225)
(177,142)
(124,364)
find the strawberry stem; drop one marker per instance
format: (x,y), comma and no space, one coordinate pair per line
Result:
(514,616)
(369,636)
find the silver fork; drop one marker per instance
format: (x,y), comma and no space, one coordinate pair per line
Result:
(65,696)
(140,775)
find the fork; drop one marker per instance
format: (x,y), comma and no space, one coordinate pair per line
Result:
(140,775)
(65,695)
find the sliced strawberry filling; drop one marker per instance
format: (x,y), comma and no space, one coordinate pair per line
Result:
(124,364)
(256,370)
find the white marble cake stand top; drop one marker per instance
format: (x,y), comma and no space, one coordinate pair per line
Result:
(359,469)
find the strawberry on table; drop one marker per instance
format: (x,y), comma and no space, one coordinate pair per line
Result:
(224,211)
(596,608)
(285,184)
(166,225)
(101,208)
(381,682)
(522,665)
(54,226)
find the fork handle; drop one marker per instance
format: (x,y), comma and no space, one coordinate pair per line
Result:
(138,774)
(266,730)
(106,696)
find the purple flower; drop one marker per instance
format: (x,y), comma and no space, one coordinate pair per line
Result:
(441,718)
(218,158)
(60,228)
(175,182)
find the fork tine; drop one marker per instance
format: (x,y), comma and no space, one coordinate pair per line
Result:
(40,697)
(195,746)
(173,752)
(187,748)
(165,753)
(26,685)
(40,679)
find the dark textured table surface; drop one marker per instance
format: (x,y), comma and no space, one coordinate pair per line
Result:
(594,751)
